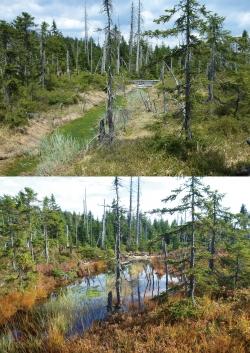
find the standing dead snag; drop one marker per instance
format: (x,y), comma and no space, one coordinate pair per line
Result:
(130,211)
(165,251)
(187,118)
(165,108)
(101,135)
(138,52)
(104,55)
(118,242)
(44,29)
(103,226)
(215,36)
(107,4)
(138,214)
(86,40)
(131,37)
(67,63)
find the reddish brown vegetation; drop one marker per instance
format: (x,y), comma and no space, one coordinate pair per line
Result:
(23,300)
(219,327)
(45,284)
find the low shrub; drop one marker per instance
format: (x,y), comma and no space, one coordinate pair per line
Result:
(182,309)
(16,117)
(226,126)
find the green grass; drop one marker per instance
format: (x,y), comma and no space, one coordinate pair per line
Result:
(79,131)
(219,148)
(21,165)
(84,128)
(57,150)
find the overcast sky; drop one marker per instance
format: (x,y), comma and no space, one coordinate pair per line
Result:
(69,14)
(69,192)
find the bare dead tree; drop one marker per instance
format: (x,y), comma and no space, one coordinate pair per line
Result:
(67,63)
(187,117)
(164,88)
(130,210)
(67,236)
(138,51)
(44,28)
(77,57)
(118,242)
(103,225)
(138,213)
(104,55)
(46,243)
(86,36)
(118,49)
(85,215)
(91,55)
(131,37)
(76,231)
(107,5)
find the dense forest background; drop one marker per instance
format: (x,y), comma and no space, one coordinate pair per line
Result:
(39,67)
(35,232)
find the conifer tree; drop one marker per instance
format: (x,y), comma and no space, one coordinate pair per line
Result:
(191,196)
(190,19)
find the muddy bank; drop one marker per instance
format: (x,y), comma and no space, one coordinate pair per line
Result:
(15,143)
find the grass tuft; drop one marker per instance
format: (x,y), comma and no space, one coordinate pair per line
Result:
(57,150)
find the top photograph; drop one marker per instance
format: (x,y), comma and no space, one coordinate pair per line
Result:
(108,87)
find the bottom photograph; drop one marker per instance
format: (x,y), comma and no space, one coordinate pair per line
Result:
(124,264)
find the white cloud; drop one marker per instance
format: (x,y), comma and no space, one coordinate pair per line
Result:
(69,15)
(242,19)
(69,192)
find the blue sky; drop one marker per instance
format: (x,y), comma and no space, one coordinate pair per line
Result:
(69,14)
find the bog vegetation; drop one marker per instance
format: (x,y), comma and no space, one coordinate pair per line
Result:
(206,246)
(202,111)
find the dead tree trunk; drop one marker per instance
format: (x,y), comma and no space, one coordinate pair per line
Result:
(164,88)
(130,210)
(165,249)
(131,38)
(67,236)
(57,67)
(86,40)
(104,55)
(110,98)
(67,63)
(118,59)
(91,55)
(46,241)
(85,215)
(187,117)
(213,239)
(192,254)
(138,51)
(138,214)
(211,75)
(118,244)
(103,225)
(77,57)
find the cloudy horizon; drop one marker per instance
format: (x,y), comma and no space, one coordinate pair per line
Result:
(69,191)
(69,16)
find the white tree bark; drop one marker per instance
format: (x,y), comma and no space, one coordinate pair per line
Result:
(138,213)
(131,37)
(138,51)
